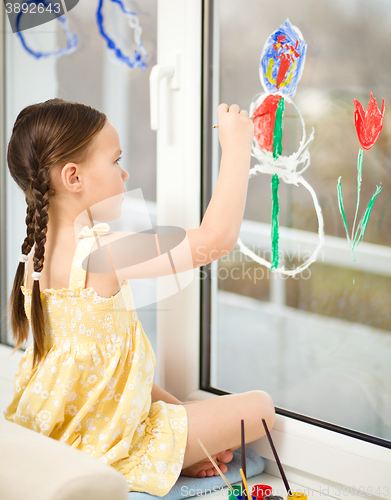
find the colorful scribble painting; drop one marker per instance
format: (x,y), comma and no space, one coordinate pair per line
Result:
(282,60)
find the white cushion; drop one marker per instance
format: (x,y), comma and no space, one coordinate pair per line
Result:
(35,467)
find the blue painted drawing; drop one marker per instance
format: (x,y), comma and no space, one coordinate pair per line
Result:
(282,60)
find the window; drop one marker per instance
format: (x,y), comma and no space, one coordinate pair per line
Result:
(319,343)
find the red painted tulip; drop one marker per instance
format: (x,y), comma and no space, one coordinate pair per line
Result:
(368,123)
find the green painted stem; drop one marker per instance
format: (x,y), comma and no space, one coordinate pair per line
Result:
(277,150)
(358,233)
(275,212)
(359,180)
(341,208)
(365,219)
(277,133)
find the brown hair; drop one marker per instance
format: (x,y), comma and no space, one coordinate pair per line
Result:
(51,133)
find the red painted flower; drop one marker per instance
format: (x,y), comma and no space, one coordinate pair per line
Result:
(368,123)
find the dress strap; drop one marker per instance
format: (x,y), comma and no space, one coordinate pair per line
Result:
(26,266)
(88,237)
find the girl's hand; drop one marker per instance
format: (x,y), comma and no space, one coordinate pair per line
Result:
(236,130)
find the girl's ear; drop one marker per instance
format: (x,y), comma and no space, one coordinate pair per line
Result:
(71,179)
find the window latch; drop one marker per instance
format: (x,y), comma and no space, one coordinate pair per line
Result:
(172,73)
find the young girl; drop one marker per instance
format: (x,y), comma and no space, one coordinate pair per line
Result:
(87,379)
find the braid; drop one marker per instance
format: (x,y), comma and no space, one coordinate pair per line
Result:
(29,240)
(41,193)
(19,321)
(40,188)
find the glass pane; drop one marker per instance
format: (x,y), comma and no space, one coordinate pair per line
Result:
(94,76)
(318,342)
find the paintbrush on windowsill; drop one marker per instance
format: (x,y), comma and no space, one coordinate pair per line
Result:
(243,450)
(245,484)
(283,476)
(215,465)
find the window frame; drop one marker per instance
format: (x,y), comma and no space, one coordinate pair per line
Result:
(181,318)
(311,455)
(3,198)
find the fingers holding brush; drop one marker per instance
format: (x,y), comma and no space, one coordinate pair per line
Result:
(236,131)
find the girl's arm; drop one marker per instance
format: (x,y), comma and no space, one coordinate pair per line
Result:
(220,226)
(225,211)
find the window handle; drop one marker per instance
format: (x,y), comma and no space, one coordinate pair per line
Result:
(172,73)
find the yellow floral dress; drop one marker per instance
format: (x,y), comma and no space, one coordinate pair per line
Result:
(92,390)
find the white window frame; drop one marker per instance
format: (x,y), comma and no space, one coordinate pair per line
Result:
(3,243)
(312,456)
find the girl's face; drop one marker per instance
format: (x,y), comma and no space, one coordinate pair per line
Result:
(103,176)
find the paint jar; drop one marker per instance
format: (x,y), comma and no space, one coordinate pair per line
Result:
(272,497)
(237,492)
(239,497)
(261,490)
(297,495)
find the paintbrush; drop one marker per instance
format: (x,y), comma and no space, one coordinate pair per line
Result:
(287,487)
(245,484)
(250,118)
(243,449)
(217,467)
